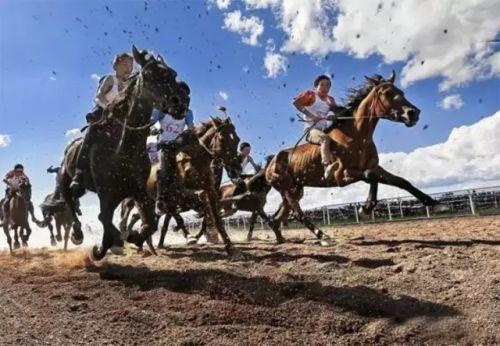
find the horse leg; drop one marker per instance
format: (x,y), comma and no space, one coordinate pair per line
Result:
(380,175)
(7,234)
(275,227)
(127,206)
(67,229)
(26,234)
(77,234)
(293,197)
(164,230)
(251,225)
(111,235)
(202,229)
(47,218)
(371,200)
(58,227)
(181,225)
(211,210)
(16,237)
(145,205)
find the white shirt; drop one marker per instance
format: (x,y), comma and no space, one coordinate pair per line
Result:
(320,108)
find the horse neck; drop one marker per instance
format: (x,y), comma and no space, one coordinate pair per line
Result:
(364,123)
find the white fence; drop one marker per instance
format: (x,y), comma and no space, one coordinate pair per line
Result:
(482,201)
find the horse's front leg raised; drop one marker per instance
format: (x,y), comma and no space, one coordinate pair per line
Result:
(378,174)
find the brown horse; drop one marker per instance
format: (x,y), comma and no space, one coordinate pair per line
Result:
(62,217)
(355,152)
(216,148)
(117,158)
(254,201)
(18,215)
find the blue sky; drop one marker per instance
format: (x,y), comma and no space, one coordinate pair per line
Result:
(51,49)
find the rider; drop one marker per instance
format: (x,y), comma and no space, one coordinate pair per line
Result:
(109,88)
(245,158)
(174,133)
(14,178)
(316,105)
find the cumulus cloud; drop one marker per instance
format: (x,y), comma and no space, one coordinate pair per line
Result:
(451,43)
(275,63)
(250,28)
(224,95)
(460,162)
(5,140)
(73,133)
(221,4)
(451,101)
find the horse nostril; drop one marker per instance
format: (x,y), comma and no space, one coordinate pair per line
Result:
(410,112)
(175,100)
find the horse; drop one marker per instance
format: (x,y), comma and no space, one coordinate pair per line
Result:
(254,201)
(62,217)
(117,158)
(355,153)
(217,149)
(18,215)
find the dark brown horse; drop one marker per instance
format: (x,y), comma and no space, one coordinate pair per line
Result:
(355,152)
(18,215)
(253,200)
(197,186)
(61,216)
(118,162)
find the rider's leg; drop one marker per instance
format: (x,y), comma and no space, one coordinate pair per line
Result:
(82,161)
(318,137)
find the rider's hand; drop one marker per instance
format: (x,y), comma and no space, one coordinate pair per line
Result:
(154,131)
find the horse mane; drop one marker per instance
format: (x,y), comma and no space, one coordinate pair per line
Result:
(355,95)
(203,127)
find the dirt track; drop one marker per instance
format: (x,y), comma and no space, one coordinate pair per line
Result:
(425,282)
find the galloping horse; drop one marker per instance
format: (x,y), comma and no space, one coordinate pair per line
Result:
(355,152)
(18,215)
(118,160)
(62,217)
(231,200)
(217,147)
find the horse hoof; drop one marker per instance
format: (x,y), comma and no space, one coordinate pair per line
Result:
(191,240)
(235,254)
(280,241)
(16,245)
(53,241)
(363,215)
(25,244)
(161,246)
(117,250)
(134,237)
(96,254)
(58,237)
(75,240)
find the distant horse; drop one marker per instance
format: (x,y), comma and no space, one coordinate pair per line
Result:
(354,150)
(18,215)
(62,217)
(117,157)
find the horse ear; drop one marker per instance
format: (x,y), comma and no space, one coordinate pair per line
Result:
(160,59)
(372,81)
(229,121)
(213,121)
(138,56)
(392,77)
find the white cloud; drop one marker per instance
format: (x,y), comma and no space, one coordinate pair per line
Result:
(5,140)
(461,161)
(52,78)
(224,95)
(250,28)
(73,133)
(95,77)
(274,63)
(451,101)
(221,4)
(450,43)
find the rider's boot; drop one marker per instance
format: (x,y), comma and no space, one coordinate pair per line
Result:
(327,159)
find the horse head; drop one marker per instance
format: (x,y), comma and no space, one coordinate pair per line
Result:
(224,144)
(160,84)
(389,102)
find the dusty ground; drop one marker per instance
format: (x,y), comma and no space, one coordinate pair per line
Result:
(420,282)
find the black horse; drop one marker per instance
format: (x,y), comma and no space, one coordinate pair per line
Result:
(117,158)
